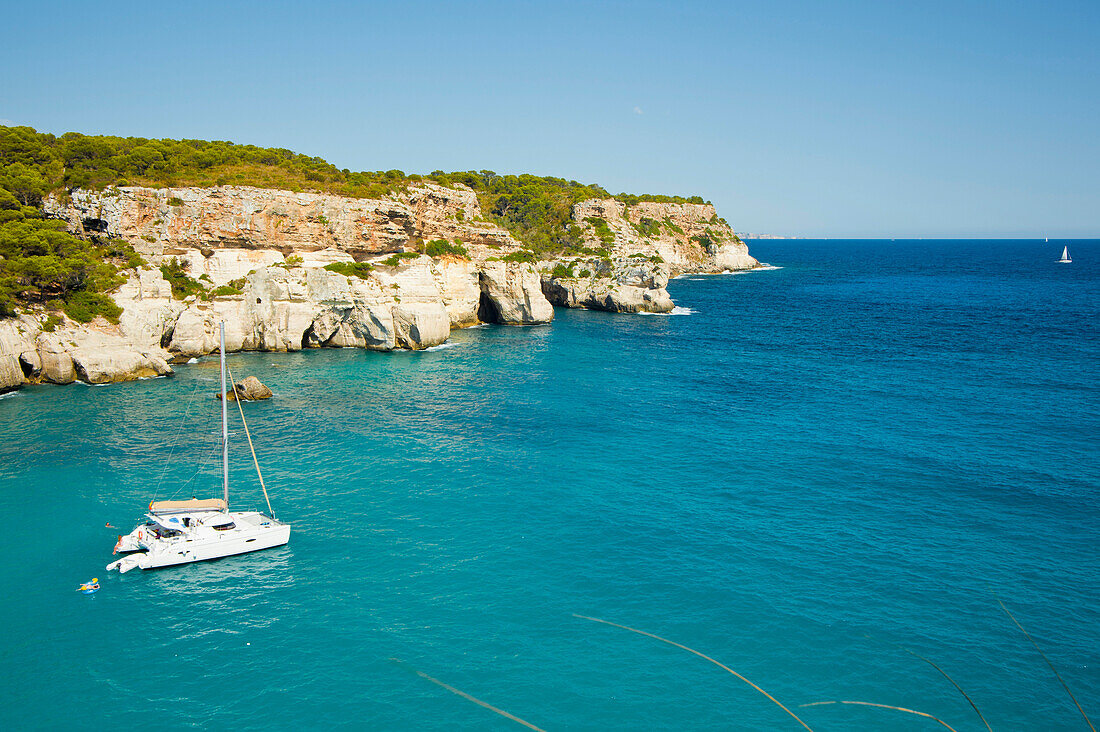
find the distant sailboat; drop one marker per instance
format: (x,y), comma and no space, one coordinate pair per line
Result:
(1065,256)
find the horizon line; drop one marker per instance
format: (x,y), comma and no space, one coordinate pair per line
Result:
(910,237)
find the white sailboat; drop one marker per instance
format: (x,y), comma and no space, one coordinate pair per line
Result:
(180,532)
(1065,256)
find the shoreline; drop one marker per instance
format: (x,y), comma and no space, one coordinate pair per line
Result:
(289,271)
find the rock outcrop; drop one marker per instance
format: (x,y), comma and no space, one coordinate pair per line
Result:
(249,389)
(643,245)
(511,293)
(13,344)
(689,237)
(412,305)
(96,353)
(622,285)
(173,221)
(267,251)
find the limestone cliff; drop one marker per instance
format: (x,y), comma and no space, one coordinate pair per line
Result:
(272,246)
(644,244)
(172,221)
(689,237)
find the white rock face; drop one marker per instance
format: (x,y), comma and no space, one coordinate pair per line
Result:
(215,267)
(623,285)
(173,221)
(108,362)
(689,237)
(16,341)
(289,309)
(421,324)
(512,294)
(278,242)
(148,310)
(460,285)
(96,352)
(57,362)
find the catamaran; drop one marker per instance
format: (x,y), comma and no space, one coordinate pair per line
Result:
(1065,256)
(180,532)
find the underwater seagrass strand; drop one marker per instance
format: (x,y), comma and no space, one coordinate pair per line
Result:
(815,469)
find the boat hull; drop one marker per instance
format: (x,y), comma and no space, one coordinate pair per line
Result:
(184,550)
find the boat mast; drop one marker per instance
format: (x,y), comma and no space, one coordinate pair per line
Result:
(225,425)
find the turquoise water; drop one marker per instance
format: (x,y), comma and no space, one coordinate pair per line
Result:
(819,467)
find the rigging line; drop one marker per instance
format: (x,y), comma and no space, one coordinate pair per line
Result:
(883,706)
(474,699)
(935,666)
(1056,674)
(211,450)
(175,440)
(701,655)
(237,399)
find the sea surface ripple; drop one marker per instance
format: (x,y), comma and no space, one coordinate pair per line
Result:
(815,468)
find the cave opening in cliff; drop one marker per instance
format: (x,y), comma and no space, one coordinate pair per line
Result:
(95,226)
(487,310)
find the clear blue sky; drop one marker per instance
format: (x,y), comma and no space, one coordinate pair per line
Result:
(808,118)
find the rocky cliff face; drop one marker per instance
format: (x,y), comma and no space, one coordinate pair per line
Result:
(645,243)
(273,246)
(172,221)
(620,285)
(97,353)
(689,237)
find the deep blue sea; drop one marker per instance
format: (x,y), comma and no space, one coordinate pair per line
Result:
(818,472)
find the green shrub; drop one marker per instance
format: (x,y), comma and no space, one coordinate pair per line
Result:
(351,269)
(294,261)
(585,273)
(672,228)
(631,199)
(122,253)
(520,255)
(84,306)
(649,228)
(561,269)
(704,240)
(52,321)
(460,215)
(183,285)
(439,247)
(225,290)
(603,231)
(40,261)
(174,201)
(395,259)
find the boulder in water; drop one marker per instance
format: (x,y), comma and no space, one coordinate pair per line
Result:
(248,389)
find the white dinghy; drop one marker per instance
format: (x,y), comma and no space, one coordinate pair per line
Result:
(180,532)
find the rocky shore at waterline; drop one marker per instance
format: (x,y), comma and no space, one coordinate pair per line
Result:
(259,257)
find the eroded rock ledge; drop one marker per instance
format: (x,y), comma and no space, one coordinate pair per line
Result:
(273,245)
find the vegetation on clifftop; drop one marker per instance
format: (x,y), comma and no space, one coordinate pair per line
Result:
(43,263)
